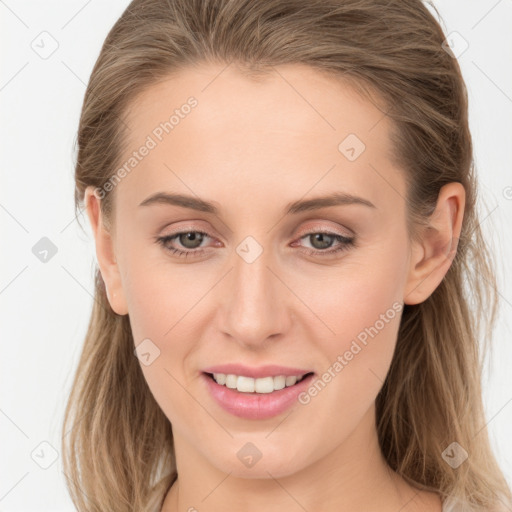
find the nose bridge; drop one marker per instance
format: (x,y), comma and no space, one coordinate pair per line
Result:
(254,307)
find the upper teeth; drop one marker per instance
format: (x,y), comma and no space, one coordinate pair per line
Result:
(250,385)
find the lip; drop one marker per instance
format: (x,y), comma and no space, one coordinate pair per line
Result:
(256,406)
(256,373)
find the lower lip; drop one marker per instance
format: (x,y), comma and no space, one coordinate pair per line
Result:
(256,406)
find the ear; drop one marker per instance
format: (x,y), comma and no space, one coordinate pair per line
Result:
(105,253)
(432,256)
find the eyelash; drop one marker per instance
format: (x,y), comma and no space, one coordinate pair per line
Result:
(345,244)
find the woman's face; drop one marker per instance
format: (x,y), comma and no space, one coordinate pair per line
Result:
(263,286)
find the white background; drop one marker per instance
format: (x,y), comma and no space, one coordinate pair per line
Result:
(45,307)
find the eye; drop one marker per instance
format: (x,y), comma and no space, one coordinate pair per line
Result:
(322,242)
(190,240)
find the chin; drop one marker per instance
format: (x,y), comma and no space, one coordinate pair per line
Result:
(258,458)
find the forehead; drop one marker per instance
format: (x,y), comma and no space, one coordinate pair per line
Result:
(212,126)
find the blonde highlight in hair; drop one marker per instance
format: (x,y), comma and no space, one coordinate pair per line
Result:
(117,444)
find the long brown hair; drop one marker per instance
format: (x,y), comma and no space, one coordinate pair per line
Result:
(117,443)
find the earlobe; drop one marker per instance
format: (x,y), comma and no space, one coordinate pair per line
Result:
(433,255)
(105,254)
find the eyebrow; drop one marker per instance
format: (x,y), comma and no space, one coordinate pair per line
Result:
(195,203)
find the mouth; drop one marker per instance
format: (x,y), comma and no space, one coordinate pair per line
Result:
(257,398)
(256,386)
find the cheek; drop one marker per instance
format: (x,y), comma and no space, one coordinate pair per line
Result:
(367,287)
(160,298)
(164,306)
(161,308)
(362,306)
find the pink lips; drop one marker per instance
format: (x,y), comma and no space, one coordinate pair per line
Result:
(255,406)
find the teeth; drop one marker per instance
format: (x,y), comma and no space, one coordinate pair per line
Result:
(250,385)
(221,378)
(290,381)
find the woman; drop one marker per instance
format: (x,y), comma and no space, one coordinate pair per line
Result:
(283,201)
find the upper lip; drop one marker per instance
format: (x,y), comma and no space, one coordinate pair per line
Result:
(256,372)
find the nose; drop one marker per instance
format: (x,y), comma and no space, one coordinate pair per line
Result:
(254,302)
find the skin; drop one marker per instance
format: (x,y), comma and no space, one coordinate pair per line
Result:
(252,147)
